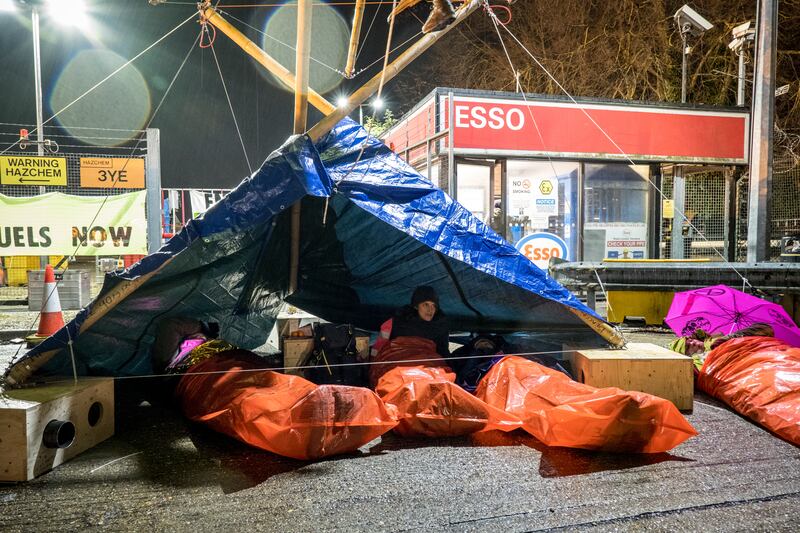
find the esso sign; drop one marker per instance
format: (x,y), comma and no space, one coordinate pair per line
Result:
(540,247)
(496,118)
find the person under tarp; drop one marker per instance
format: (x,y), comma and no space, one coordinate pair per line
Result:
(229,390)
(411,374)
(417,380)
(759,377)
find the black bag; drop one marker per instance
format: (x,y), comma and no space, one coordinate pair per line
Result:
(334,359)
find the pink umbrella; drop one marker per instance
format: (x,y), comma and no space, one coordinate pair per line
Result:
(723,310)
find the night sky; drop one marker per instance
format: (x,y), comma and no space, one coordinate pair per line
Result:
(199,144)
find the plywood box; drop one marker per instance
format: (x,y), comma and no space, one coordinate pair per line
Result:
(296,349)
(24,413)
(640,367)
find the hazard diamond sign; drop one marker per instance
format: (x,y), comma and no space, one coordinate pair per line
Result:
(30,170)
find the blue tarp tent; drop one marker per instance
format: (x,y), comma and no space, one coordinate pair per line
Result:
(383,231)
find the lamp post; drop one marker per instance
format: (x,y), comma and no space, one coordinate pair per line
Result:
(377,104)
(69,11)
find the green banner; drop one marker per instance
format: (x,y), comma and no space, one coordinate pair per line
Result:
(61,224)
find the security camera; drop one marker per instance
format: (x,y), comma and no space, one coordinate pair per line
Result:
(690,22)
(744,31)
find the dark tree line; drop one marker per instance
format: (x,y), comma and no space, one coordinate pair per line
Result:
(628,49)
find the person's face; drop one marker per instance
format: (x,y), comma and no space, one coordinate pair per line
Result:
(426,310)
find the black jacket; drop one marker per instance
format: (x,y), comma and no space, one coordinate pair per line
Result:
(407,323)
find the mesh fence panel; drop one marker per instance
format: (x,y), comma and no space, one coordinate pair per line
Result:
(705,208)
(121,144)
(784,208)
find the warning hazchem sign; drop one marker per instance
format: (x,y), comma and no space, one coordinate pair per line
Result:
(17,170)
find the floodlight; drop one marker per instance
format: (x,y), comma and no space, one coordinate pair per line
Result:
(7,5)
(377,103)
(690,22)
(341,101)
(68,12)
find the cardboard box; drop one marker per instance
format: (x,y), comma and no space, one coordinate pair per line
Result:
(640,367)
(24,414)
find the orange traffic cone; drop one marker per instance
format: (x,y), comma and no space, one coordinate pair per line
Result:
(51,319)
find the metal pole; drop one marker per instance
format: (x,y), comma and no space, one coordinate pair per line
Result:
(393,69)
(451,171)
(683,67)
(37,72)
(267,61)
(740,80)
(355,33)
(758,221)
(580,218)
(678,182)
(300,119)
(152,163)
(678,212)
(730,215)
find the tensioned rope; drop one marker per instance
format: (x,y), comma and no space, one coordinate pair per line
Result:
(204,28)
(352,167)
(330,366)
(745,281)
(329,67)
(105,199)
(99,83)
(497,23)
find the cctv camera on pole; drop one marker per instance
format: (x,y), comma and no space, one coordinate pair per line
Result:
(689,23)
(743,36)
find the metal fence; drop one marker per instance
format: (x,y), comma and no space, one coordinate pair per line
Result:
(97,142)
(784,207)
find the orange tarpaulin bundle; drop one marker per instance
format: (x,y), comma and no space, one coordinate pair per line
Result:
(405,351)
(760,378)
(561,412)
(427,399)
(429,403)
(284,414)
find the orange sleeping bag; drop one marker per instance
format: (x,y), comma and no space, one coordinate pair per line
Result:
(426,397)
(760,378)
(283,414)
(561,412)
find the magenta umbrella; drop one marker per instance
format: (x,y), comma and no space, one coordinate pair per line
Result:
(723,310)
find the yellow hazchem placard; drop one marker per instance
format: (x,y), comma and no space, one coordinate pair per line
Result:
(116,172)
(31,170)
(668,208)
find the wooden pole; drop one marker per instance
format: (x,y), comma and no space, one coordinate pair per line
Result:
(266,60)
(393,69)
(355,34)
(300,120)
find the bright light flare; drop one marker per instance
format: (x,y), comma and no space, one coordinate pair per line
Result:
(341,101)
(68,12)
(7,6)
(378,103)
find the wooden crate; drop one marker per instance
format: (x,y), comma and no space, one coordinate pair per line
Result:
(24,413)
(640,367)
(296,349)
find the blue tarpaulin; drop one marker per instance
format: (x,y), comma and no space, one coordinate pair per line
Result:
(383,230)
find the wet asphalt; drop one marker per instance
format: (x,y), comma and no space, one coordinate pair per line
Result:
(161,473)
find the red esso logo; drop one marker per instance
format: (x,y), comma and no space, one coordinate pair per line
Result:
(534,253)
(540,247)
(493,117)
